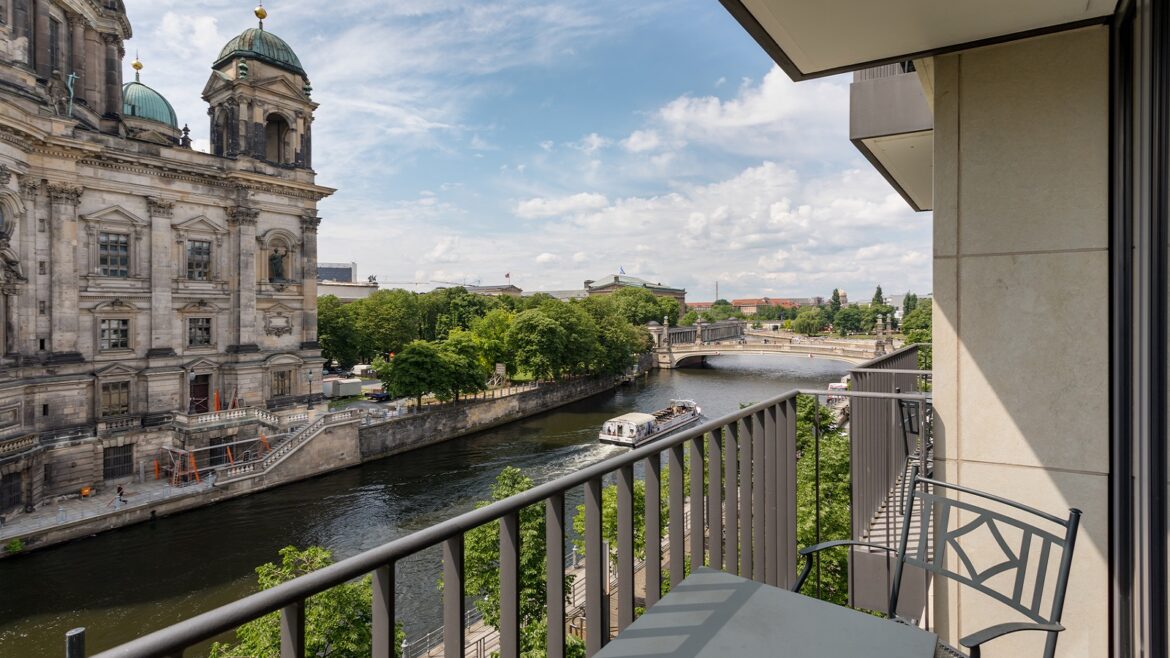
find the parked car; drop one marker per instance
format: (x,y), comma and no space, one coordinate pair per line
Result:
(378,396)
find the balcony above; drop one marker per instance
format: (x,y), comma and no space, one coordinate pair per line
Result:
(811,38)
(891,123)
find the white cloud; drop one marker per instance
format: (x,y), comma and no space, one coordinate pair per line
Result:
(641,140)
(591,143)
(539,207)
(546,258)
(444,251)
(580,257)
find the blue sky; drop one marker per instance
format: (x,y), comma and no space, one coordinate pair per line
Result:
(559,140)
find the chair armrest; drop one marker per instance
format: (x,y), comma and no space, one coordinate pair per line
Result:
(973,640)
(808,552)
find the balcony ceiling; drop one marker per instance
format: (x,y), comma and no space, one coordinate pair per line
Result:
(811,38)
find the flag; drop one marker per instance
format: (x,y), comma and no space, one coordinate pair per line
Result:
(508,275)
(621,270)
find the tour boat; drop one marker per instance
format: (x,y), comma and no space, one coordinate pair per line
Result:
(634,429)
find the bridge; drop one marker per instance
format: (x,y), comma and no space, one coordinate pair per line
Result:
(681,356)
(679,347)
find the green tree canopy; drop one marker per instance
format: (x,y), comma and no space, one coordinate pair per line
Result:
(481,555)
(337,332)
(539,344)
(835,302)
(919,318)
(847,320)
(491,331)
(689,319)
(386,321)
(417,369)
(878,298)
(466,368)
(337,621)
(808,323)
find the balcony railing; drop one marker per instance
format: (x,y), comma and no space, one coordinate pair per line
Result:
(742,511)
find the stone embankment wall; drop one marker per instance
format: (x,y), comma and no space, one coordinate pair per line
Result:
(413,431)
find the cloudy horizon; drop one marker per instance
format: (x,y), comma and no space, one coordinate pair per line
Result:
(561,140)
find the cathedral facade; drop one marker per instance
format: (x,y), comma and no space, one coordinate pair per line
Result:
(141,280)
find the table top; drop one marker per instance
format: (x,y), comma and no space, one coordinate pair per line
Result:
(713,614)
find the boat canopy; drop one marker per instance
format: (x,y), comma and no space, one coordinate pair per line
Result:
(634,418)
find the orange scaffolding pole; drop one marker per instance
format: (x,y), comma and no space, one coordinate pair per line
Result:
(194,467)
(229,453)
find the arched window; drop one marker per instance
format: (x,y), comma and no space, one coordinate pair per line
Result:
(4,231)
(276,139)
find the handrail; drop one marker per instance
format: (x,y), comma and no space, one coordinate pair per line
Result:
(770,558)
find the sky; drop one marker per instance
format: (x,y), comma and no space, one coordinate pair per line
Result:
(563,140)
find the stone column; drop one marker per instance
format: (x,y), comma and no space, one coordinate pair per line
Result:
(77,51)
(113,93)
(41,25)
(64,284)
(309,224)
(27,311)
(162,274)
(95,74)
(243,220)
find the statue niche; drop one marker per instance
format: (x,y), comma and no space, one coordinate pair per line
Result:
(276,264)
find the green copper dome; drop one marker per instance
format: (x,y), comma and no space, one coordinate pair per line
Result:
(141,101)
(261,45)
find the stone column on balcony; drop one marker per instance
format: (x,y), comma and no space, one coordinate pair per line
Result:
(243,222)
(309,224)
(63,200)
(27,305)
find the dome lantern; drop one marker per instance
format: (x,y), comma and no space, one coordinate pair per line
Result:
(140,101)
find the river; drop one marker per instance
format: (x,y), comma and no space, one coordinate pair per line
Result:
(124,583)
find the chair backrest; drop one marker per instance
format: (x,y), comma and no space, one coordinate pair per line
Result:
(1030,540)
(908,411)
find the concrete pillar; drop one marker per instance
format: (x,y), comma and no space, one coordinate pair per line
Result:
(243,221)
(77,52)
(41,26)
(309,224)
(113,66)
(63,200)
(162,273)
(95,74)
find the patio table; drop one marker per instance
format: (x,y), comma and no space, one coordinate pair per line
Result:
(713,614)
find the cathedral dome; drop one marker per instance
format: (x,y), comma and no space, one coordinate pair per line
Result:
(262,45)
(141,101)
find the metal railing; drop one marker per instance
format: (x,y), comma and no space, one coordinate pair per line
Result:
(884,71)
(742,505)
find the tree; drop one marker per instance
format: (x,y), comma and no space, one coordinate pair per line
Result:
(847,320)
(386,321)
(481,555)
(337,621)
(619,344)
(669,308)
(416,370)
(491,331)
(467,370)
(878,298)
(580,336)
(908,304)
(689,319)
(637,305)
(834,496)
(337,332)
(808,323)
(538,342)
(919,318)
(835,302)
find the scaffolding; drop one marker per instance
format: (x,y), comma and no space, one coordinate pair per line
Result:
(188,466)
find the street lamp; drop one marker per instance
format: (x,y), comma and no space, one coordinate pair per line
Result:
(309,375)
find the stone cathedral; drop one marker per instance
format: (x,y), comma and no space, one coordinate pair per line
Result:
(143,282)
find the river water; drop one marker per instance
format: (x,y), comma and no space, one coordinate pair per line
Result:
(124,583)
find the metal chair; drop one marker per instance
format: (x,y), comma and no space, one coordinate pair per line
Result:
(1027,550)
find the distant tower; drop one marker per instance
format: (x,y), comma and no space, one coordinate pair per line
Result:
(260,100)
